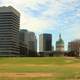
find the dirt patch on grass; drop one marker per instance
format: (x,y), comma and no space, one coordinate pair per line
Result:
(22,75)
(42,65)
(73,65)
(71,58)
(76,65)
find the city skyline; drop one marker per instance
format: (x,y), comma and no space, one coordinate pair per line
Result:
(49,16)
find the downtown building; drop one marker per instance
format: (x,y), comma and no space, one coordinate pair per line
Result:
(28,43)
(23,41)
(45,44)
(60,44)
(60,51)
(32,44)
(9,29)
(74,48)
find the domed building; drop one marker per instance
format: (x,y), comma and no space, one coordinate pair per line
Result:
(60,44)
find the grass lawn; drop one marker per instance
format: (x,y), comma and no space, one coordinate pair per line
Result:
(39,68)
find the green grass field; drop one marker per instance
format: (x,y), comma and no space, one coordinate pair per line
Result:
(60,68)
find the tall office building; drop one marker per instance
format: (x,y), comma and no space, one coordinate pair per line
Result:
(23,41)
(60,44)
(9,28)
(32,42)
(23,36)
(28,42)
(45,42)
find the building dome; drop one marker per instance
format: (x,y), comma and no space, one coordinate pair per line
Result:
(60,41)
(60,44)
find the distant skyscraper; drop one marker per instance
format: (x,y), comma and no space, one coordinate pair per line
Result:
(9,28)
(32,41)
(60,44)
(23,36)
(45,42)
(28,42)
(23,41)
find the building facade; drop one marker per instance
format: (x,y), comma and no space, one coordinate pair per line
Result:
(45,42)
(60,44)
(74,48)
(32,43)
(28,43)
(23,42)
(74,45)
(9,29)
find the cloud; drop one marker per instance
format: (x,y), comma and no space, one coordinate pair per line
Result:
(43,15)
(78,13)
(38,10)
(1,2)
(75,31)
(34,24)
(32,17)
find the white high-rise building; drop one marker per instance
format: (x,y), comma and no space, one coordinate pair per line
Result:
(9,28)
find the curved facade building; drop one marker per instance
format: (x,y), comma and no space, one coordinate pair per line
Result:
(28,43)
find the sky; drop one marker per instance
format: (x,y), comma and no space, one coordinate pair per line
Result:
(49,16)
